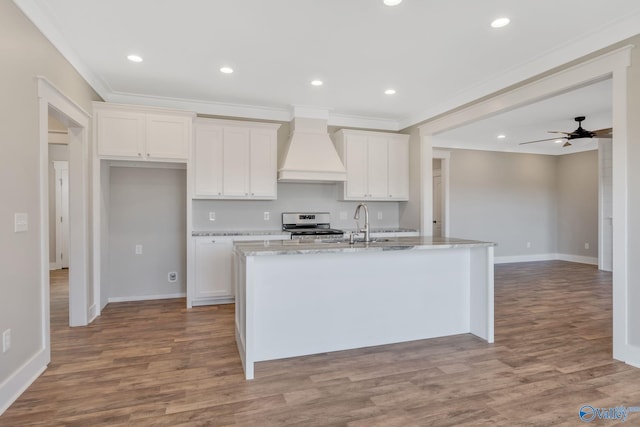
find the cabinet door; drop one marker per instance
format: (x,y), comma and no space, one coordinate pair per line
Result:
(263,167)
(213,268)
(356,165)
(120,134)
(236,162)
(377,168)
(399,170)
(167,137)
(207,161)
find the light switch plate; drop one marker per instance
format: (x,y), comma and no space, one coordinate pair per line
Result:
(138,249)
(6,340)
(21,222)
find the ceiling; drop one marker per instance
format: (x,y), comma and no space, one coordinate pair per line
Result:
(436,54)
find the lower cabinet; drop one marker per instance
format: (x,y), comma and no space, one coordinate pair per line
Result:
(212,265)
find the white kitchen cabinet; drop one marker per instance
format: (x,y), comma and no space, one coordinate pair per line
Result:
(234,159)
(127,132)
(212,279)
(377,165)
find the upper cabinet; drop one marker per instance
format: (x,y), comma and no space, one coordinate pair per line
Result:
(234,159)
(377,165)
(140,133)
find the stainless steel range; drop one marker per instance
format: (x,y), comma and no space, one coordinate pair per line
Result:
(310,225)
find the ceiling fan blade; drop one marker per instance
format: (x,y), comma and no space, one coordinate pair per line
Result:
(557,131)
(603,133)
(540,140)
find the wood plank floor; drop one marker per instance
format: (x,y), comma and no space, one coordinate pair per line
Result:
(157,363)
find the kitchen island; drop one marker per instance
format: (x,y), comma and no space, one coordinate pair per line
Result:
(296,298)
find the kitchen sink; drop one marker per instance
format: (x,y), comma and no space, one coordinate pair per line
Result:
(356,241)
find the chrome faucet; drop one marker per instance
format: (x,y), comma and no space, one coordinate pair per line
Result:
(367,237)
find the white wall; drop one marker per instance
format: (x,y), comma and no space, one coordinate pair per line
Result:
(249,214)
(147,206)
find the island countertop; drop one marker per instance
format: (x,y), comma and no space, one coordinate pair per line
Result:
(291,247)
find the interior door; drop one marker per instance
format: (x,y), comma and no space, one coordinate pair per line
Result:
(437,204)
(62,213)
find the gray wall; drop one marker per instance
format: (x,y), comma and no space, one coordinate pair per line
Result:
(578,204)
(25,55)
(249,214)
(147,207)
(505,198)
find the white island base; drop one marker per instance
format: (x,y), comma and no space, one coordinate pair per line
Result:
(292,302)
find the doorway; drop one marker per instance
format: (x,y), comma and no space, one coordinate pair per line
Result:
(437,198)
(75,121)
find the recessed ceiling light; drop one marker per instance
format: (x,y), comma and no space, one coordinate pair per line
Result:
(390,92)
(500,22)
(316,82)
(558,141)
(226,70)
(501,136)
(392,2)
(134,58)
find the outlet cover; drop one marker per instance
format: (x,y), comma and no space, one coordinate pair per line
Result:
(6,340)
(586,246)
(379,215)
(343,215)
(138,249)
(212,216)
(21,222)
(528,244)
(172,276)
(266,216)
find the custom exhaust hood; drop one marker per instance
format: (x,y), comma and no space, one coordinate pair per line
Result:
(310,155)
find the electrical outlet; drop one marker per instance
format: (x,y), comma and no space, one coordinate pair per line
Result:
(172,276)
(6,340)
(379,215)
(586,246)
(266,216)
(138,249)
(528,244)
(212,216)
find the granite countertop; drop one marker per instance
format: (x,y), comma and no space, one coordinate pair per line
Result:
(239,233)
(291,247)
(278,232)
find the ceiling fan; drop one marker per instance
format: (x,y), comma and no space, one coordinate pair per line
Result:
(577,134)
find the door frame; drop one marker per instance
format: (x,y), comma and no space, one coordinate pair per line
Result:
(77,120)
(614,65)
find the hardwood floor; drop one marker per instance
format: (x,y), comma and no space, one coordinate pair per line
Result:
(157,363)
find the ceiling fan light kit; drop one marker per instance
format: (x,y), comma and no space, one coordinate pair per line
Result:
(577,134)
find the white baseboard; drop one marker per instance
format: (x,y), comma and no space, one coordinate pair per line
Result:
(577,258)
(147,297)
(93,313)
(524,258)
(546,257)
(21,379)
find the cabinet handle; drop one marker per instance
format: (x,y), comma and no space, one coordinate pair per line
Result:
(213,241)
(139,154)
(219,193)
(246,194)
(253,194)
(148,155)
